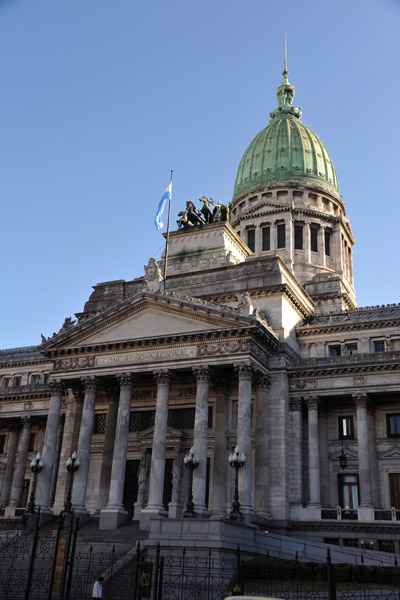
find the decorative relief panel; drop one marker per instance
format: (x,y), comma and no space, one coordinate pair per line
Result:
(303,384)
(67,364)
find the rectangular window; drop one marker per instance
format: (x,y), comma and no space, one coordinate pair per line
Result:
(266,238)
(379,346)
(6,383)
(328,235)
(100,421)
(346,430)
(351,348)
(348,491)
(393,425)
(2,444)
(298,237)
(251,239)
(35,379)
(396,345)
(314,239)
(17,380)
(281,235)
(33,442)
(394,482)
(334,351)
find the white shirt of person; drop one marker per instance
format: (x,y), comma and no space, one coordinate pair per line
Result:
(97,590)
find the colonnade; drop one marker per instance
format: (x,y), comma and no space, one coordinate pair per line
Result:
(115,449)
(312,404)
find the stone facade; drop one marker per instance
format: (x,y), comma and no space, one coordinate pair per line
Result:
(251,339)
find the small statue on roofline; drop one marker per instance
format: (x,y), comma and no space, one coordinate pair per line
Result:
(192,217)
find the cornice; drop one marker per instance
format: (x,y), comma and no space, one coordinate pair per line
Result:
(310,329)
(359,363)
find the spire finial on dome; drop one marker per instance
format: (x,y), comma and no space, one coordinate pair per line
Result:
(285,71)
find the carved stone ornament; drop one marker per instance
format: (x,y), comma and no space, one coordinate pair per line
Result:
(162,377)
(125,381)
(202,373)
(26,421)
(90,385)
(358,380)
(244,371)
(28,406)
(262,382)
(56,387)
(78,396)
(312,402)
(153,278)
(223,348)
(68,364)
(295,404)
(360,400)
(304,384)
(245,305)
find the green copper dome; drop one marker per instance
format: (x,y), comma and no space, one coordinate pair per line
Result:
(285,151)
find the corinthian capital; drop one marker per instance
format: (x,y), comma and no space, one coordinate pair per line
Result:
(125,381)
(262,382)
(312,402)
(360,400)
(26,421)
(244,371)
(202,373)
(162,377)
(295,404)
(90,385)
(56,387)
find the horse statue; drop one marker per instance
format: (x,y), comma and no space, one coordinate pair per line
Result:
(205,209)
(183,220)
(192,216)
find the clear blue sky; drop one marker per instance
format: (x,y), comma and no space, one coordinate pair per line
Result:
(99,99)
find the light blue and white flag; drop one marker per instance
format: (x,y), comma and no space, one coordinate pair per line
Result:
(166,196)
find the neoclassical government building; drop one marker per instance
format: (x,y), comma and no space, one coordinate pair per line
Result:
(254,338)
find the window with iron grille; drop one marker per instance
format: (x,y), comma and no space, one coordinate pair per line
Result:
(251,239)
(314,239)
(298,237)
(141,420)
(281,235)
(328,234)
(181,418)
(100,423)
(266,238)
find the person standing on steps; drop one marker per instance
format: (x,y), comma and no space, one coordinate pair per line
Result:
(98,588)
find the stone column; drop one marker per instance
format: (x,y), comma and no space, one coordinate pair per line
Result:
(324,455)
(245,373)
(200,440)
(49,447)
(108,449)
(296,454)
(54,477)
(20,468)
(84,444)
(115,514)
(157,469)
(12,444)
(364,463)
(261,458)
(220,454)
(313,452)
(73,418)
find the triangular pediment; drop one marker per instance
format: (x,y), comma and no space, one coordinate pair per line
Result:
(150,315)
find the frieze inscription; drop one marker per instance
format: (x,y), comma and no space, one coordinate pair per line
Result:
(146,356)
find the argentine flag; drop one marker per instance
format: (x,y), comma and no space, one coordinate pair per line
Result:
(166,196)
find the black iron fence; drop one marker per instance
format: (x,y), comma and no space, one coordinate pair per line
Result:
(56,565)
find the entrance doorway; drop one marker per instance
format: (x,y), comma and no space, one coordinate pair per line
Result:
(394,480)
(131,486)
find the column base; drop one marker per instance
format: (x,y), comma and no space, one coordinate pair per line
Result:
(149,513)
(175,510)
(112,518)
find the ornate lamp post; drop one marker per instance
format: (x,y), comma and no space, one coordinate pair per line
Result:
(72,467)
(191,461)
(236,460)
(36,467)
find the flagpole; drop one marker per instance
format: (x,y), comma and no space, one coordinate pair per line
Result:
(167,240)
